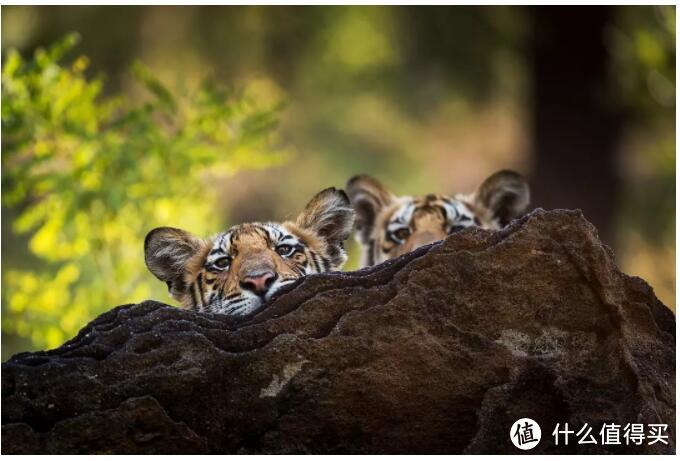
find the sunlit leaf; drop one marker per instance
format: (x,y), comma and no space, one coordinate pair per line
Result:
(86,176)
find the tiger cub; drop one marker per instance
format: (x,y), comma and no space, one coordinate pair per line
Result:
(236,271)
(389,226)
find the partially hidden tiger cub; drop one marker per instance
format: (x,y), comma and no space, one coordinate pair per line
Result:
(389,226)
(236,271)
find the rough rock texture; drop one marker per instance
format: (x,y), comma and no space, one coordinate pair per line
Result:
(438,351)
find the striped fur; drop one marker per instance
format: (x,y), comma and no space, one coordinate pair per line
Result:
(211,275)
(389,226)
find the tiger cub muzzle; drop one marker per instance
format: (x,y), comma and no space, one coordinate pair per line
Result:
(237,271)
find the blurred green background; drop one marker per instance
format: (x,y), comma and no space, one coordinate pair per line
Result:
(116,120)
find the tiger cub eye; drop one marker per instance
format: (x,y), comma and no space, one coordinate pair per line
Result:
(222,263)
(285,250)
(402,234)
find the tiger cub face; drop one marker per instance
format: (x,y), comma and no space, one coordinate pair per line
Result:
(236,271)
(389,226)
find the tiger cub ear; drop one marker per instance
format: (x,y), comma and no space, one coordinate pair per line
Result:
(167,251)
(503,196)
(369,197)
(329,214)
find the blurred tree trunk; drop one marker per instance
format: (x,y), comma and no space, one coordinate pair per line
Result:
(575,130)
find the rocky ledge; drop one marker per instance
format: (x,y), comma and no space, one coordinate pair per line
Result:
(438,351)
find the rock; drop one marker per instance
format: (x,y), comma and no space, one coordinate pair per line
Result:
(438,351)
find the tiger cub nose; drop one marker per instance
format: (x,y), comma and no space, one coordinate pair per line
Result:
(259,282)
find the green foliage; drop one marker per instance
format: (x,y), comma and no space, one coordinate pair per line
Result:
(86,175)
(642,43)
(643,63)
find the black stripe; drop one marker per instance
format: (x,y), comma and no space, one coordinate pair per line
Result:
(278,235)
(288,237)
(199,280)
(445,213)
(314,261)
(261,231)
(288,279)
(319,262)
(194,305)
(223,240)
(326,263)
(371,252)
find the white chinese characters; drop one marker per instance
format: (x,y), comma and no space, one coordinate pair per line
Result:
(612,434)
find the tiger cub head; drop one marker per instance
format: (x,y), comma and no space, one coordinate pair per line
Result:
(389,226)
(236,271)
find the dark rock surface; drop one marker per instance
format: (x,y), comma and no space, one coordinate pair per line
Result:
(438,351)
